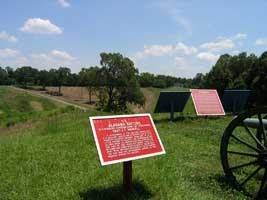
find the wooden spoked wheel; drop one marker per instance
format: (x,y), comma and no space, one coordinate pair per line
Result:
(244,152)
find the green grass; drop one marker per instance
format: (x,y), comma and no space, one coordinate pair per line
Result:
(56,158)
(18,107)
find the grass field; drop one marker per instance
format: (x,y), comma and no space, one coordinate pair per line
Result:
(17,107)
(57,159)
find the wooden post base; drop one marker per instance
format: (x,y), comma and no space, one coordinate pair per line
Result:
(127,176)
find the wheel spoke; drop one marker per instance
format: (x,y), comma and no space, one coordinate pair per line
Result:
(244,165)
(246,144)
(253,136)
(262,129)
(244,154)
(263,183)
(251,175)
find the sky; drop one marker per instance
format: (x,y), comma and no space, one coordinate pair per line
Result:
(171,37)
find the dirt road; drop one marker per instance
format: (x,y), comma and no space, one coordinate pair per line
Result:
(53,98)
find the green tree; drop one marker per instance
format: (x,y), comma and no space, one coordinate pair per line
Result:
(26,75)
(146,79)
(44,79)
(3,77)
(119,78)
(11,75)
(258,80)
(59,77)
(62,75)
(89,79)
(197,81)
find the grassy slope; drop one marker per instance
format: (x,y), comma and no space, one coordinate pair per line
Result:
(18,107)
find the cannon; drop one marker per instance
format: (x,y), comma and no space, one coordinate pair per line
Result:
(243,152)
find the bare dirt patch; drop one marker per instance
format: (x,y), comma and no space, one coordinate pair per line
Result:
(37,106)
(76,95)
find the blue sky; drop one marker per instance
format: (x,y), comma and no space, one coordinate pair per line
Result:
(179,38)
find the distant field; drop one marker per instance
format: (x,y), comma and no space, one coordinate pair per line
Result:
(18,107)
(56,157)
(79,95)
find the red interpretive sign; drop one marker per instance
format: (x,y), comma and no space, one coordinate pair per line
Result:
(125,137)
(207,102)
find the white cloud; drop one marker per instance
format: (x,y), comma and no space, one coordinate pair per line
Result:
(40,26)
(223,43)
(8,53)
(153,50)
(54,55)
(5,36)
(160,50)
(54,58)
(41,56)
(207,56)
(218,46)
(185,49)
(236,52)
(239,36)
(63,3)
(157,50)
(62,55)
(261,41)
(180,63)
(21,61)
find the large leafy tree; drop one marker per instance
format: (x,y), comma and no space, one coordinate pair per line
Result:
(220,77)
(44,78)
(62,75)
(59,77)
(119,78)
(146,79)
(89,78)
(11,75)
(26,75)
(230,72)
(3,76)
(257,77)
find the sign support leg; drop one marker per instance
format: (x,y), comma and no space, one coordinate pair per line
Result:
(127,176)
(172,112)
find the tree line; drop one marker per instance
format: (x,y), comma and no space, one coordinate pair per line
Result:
(241,71)
(26,76)
(116,82)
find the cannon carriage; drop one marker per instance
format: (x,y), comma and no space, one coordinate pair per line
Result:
(244,152)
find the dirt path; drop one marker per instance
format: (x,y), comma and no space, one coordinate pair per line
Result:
(53,98)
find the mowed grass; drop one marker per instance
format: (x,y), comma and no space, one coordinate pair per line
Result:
(57,159)
(18,107)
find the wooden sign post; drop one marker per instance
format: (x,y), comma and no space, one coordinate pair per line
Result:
(127,176)
(124,138)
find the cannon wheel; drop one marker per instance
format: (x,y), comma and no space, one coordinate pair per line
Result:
(244,153)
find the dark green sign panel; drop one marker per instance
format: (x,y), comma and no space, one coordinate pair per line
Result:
(234,101)
(172,101)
